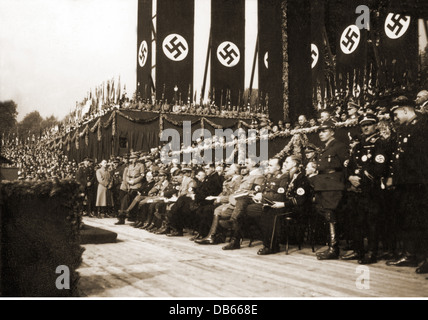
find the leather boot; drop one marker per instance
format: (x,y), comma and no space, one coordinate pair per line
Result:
(235,243)
(369,258)
(333,250)
(210,238)
(354,255)
(164,229)
(121,218)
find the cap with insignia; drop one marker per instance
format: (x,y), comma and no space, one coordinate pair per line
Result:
(401,101)
(353,104)
(367,118)
(310,147)
(328,124)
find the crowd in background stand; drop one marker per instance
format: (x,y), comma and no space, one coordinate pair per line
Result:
(169,199)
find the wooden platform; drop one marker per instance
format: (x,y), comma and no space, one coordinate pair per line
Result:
(141,264)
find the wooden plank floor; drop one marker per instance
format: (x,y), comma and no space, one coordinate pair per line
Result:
(141,264)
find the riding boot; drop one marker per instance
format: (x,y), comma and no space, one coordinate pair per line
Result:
(210,238)
(121,218)
(235,242)
(333,249)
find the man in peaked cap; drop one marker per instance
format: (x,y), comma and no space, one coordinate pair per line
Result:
(133,178)
(366,168)
(409,177)
(329,184)
(353,108)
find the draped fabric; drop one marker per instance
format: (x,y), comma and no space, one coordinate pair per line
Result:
(317,43)
(270,57)
(227,51)
(174,50)
(398,48)
(122,131)
(144,47)
(351,46)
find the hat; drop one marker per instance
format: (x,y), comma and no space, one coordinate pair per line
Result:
(133,156)
(162,173)
(175,171)
(186,169)
(401,101)
(353,104)
(328,124)
(117,160)
(310,148)
(367,118)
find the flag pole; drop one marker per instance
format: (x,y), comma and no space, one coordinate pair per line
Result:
(206,69)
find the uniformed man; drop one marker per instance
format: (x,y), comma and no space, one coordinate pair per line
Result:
(250,183)
(211,186)
(87,179)
(221,203)
(178,211)
(366,170)
(409,178)
(133,176)
(271,194)
(329,183)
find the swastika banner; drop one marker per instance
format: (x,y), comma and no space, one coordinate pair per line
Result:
(270,56)
(174,49)
(144,49)
(227,49)
(398,46)
(351,40)
(317,42)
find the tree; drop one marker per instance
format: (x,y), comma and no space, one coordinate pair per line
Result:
(8,116)
(48,123)
(31,124)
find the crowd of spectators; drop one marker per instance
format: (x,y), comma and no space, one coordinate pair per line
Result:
(174,197)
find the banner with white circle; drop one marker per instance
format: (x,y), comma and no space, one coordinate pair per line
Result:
(266,60)
(314,55)
(228,54)
(350,39)
(175,47)
(396,25)
(143,53)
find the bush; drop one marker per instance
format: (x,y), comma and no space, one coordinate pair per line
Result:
(39,231)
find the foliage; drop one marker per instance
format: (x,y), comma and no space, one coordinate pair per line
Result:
(8,113)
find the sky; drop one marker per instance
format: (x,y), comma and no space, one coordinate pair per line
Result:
(53,52)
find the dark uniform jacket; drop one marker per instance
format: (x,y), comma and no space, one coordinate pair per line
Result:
(368,161)
(211,186)
(85,175)
(274,188)
(409,160)
(299,193)
(146,187)
(330,166)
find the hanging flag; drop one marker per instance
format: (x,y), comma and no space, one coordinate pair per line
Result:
(399,46)
(351,45)
(270,53)
(317,42)
(144,47)
(118,92)
(174,46)
(228,47)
